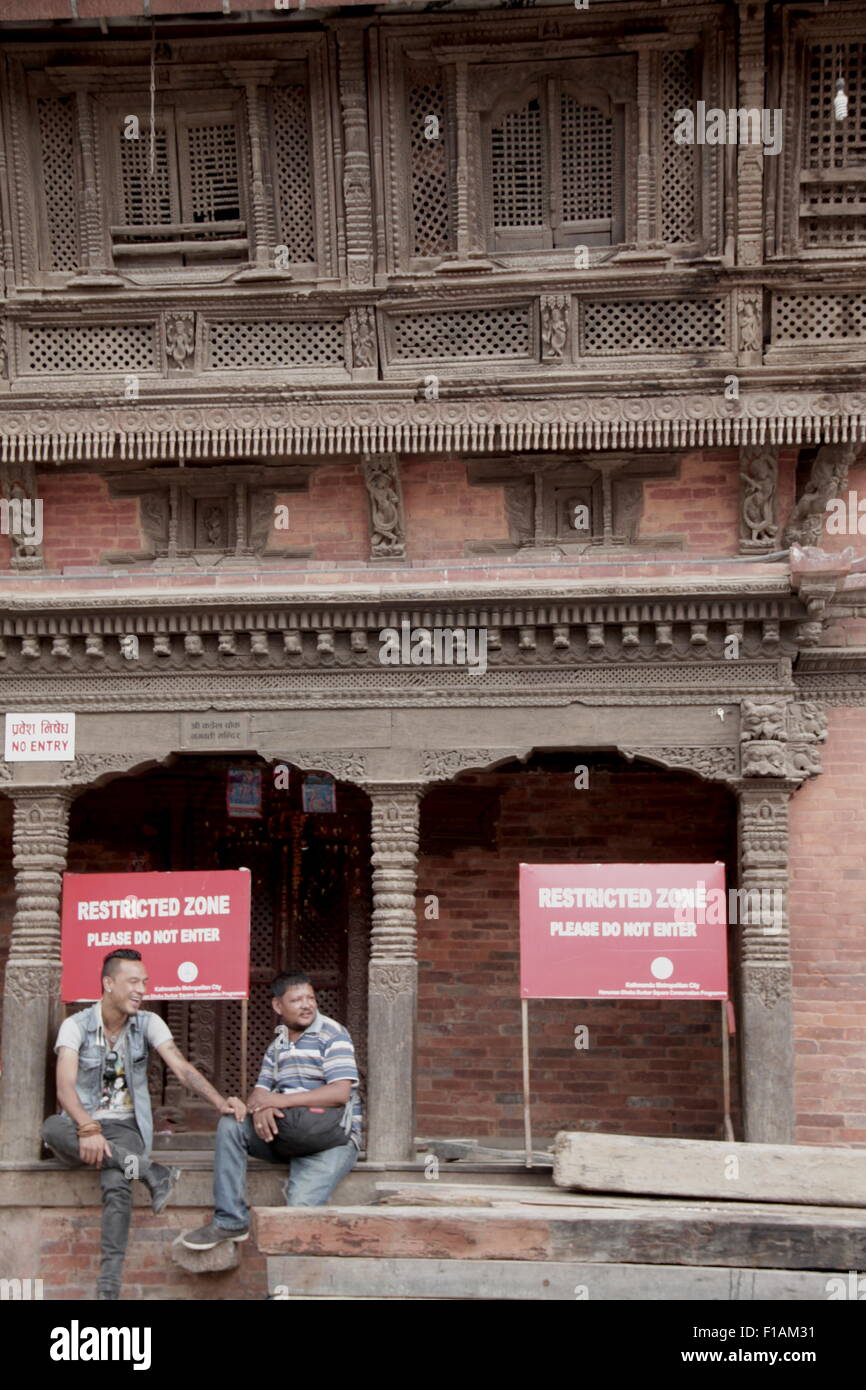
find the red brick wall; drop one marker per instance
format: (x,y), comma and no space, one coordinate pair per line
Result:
(69,1245)
(827,908)
(331,517)
(443,511)
(702,505)
(81,521)
(653,1067)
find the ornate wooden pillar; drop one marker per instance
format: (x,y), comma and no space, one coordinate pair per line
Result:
(254,78)
(766,1023)
(95,269)
(750,158)
(31,999)
(357,177)
(393,972)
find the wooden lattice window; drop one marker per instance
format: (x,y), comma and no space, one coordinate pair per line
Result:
(833,173)
(291,144)
(553,156)
(57,139)
(431,201)
(678,194)
(183,201)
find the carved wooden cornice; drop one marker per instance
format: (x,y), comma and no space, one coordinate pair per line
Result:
(436,426)
(307,632)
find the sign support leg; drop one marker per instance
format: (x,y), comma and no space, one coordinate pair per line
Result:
(726,1070)
(527,1121)
(245,1012)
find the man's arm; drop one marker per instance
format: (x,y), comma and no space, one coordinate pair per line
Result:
(335,1093)
(92,1147)
(192,1079)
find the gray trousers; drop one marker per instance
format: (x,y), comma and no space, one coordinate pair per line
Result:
(126,1142)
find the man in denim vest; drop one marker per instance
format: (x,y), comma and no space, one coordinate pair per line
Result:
(105,1120)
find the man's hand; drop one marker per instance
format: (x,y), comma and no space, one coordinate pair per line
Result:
(265,1121)
(93,1149)
(233,1106)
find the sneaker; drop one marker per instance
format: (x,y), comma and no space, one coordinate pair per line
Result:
(206,1237)
(162,1184)
(107,1295)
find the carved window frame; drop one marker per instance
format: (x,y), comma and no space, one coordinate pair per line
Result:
(540,490)
(547,86)
(119,68)
(178,110)
(788,178)
(710,44)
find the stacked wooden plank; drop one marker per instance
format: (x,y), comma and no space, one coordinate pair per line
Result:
(779,1223)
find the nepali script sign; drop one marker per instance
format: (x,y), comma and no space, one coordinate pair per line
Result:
(192,929)
(40,738)
(623,931)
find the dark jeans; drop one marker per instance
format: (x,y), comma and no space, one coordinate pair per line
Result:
(126,1141)
(312,1178)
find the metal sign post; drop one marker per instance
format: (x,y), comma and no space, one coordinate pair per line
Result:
(727,1009)
(527,1120)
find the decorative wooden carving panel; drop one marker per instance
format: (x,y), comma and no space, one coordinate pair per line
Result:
(431,201)
(462,334)
(57,136)
(678,193)
(294,182)
(818,318)
(613,327)
(265,343)
(117,347)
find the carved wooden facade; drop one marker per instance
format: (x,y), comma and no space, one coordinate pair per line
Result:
(431,234)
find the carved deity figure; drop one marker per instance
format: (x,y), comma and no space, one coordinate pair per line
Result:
(758,474)
(386,510)
(554,324)
(362,326)
(180,337)
(213,526)
(829,478)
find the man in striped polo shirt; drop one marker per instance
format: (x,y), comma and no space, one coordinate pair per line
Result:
(311,1063)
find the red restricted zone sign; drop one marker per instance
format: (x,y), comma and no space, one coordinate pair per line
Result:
(192,929)
(622,931)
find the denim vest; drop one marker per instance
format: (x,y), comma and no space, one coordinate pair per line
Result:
(91,1059)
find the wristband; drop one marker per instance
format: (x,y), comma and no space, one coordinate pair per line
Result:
(86,1130)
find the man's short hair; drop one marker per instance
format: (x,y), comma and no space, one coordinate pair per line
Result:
(113,960)
(288,979)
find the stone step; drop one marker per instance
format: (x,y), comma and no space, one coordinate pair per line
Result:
(48,1183)
(798,1173)
(808,1238)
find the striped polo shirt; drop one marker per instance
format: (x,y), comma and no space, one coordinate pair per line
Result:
(322,1054)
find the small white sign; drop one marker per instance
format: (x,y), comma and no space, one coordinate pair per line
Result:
(40,738)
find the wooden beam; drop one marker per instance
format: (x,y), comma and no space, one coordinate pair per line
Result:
(312,1276)
(809,1174)
(807,1239)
